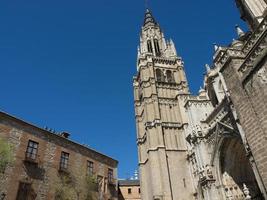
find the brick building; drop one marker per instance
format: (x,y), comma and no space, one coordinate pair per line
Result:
(46,165)
(129,190)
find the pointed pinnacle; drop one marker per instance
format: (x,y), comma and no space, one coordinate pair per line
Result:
(146,4)
(216,47)
(239,31)
(207,67)
(149,19)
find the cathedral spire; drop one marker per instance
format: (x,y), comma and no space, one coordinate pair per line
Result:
(149,19)
(152,40)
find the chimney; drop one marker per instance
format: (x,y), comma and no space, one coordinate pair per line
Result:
(65,134)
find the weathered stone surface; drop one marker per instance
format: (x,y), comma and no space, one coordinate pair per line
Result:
(209,146)
(44,173)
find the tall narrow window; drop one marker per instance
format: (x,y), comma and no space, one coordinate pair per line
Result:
(90,168)
(170,77)
(32,149)
(149,46)
(129,191)
(110,175)
(64,160)
(157,49)
(160,75)
(213,97)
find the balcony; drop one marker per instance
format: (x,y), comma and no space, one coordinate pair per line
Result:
(34,166)
(31,158)
(63,169)
(112,181)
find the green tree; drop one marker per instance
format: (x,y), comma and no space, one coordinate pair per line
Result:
(6,154)
(68,189)
(91,187)
(65,189)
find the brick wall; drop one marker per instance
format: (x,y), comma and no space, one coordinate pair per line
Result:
(44,175)
(250,102)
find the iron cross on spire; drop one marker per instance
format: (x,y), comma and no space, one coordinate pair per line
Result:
(146,3)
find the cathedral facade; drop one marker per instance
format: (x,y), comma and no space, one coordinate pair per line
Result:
(207,146)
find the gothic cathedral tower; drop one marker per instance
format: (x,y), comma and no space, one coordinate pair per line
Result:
(160,89)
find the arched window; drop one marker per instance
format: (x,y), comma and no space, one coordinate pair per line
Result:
(212,95)
(140,94)
(160,75)
(170,77)
(157,49)
(149,46)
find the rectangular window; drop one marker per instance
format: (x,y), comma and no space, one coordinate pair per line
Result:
(90,168)
(64,160)
(32,149)
(110,175)
(129,191)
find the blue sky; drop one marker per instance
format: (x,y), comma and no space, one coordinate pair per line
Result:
(69,64)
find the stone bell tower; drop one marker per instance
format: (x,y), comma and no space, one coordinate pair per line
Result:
(160,89)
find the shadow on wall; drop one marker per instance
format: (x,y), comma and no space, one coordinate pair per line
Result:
(236,169)
(34,171)
(120,196)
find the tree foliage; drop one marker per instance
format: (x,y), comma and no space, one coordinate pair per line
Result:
(65,189)
(69,189)
(6,154)
(91,187)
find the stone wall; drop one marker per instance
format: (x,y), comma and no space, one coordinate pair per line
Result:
(129,190)
(249,99)
(44,174)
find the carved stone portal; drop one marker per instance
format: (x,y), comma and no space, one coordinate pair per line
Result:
(237,171)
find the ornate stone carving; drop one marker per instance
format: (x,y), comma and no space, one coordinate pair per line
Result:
(246,192)
(232,190)
(152,124)
(167,61)
(172,125)
(262,74)
(254,47)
